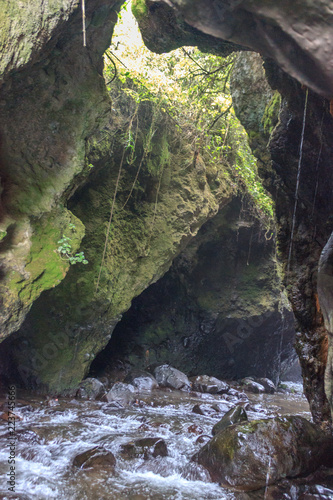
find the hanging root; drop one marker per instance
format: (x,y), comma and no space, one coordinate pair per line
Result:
(84,23)
(110,220)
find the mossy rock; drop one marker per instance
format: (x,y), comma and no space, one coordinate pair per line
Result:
(248,456)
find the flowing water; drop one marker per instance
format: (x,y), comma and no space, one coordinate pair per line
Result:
(52,433)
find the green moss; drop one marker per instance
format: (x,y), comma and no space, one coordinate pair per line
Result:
(3,234)
(139,9)
(45,268)
(271,114)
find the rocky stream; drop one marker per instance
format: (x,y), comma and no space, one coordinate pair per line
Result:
(146,228)
(141,444)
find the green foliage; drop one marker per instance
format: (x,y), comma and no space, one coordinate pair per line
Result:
(193,89)
(66,252)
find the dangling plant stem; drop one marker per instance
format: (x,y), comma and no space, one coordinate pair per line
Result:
(155,209)
(144,156)
(110,219)
(84,23)
(114,202)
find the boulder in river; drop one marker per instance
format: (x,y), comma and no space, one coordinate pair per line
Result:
(233,416)
(212,385)
(146,448)
(168,376)
(90,388)
(252,386)
(268,385)
(246,455)
(121,393)
(143,381)
(97,457)
(206,409)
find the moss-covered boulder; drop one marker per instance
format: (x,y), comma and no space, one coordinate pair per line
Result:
(234,416)
(248,456)
(52,97)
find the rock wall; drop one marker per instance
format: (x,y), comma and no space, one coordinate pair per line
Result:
(155,215)
(297,36)
(296,42)
(277,135)
(220,309)
(52,97)
(55,123)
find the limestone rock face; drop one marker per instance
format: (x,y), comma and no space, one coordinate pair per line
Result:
(297,35)
(325,292)
(52,97)
(275,136)
(246,455)
(219,310)
(155,218)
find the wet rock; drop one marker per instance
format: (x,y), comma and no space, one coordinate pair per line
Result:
(234,392)
(268,385)
(28,436)
(90,388)
(121,393)
(194,472)
(253,386)
(212,385)
(143,381)
(233,416)
(194,429)
(242,455)
(244,404)
(204,410)
(202,439)
(96,457)
(145,448)
(168,376)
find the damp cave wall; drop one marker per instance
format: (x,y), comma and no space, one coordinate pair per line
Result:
(296,41)
(42,165)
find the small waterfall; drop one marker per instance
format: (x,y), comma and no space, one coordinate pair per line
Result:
(297,183)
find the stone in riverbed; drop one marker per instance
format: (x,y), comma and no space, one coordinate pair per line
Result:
(268,385)
(233,416)
(240,456)
(168,376)
(212,385)
(91,388)
(121,393)
(97,457)
(146,448)
(252,386)
(205,409)
(143,381)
